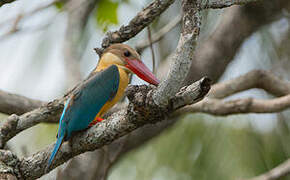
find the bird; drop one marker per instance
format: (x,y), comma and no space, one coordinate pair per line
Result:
(103,88)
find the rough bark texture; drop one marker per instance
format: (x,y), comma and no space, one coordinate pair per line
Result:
(218,4)
(14,124)
(138,23)
(182,58)
(141,110)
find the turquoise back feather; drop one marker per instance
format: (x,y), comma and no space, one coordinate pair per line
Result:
(85,103)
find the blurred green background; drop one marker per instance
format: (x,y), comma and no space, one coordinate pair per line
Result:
(206,147)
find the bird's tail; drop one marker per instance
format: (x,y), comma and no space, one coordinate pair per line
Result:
(54,152)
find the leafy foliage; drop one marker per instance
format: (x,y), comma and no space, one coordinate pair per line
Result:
(107,13)
(59,5)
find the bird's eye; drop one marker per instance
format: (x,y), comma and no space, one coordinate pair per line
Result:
(127,53)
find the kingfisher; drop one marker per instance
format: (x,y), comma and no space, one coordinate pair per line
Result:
(100,91)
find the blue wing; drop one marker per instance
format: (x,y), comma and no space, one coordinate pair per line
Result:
(88,100)
(85,103)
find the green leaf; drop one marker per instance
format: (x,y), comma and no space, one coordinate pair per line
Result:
(59,5)
(106,13)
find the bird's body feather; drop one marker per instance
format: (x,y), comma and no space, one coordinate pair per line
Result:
(86,102)
(103,88)
(89,99)
(124,81)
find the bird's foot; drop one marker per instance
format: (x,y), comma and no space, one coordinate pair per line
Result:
(95,121)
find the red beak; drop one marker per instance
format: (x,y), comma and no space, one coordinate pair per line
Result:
(142,71)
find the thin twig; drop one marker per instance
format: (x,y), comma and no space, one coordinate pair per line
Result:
(138,23)
(278,172)
(141,45)
(218,4)
(151,48)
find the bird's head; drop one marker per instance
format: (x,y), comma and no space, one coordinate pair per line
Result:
(128,59)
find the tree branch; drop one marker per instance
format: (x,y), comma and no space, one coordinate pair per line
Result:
(254,79)
(195,77)
(140,111)
(276,173)
(183,55)
(138,23)
(8,163)
(213,56)
(17,104)
(218,4)
(2,2)
(15,124)
(257,78)
(50,113)
(238,106)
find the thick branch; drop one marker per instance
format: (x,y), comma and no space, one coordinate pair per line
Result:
(213,56)
(182,58)
(238,106)
(15,124)
(211,106)
(8,165)
(53,113)
(16,104)
(99,162)
(217,60)
(139,112)
(50,113)
(255,79)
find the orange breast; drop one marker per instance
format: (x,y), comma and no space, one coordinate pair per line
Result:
(124,81)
